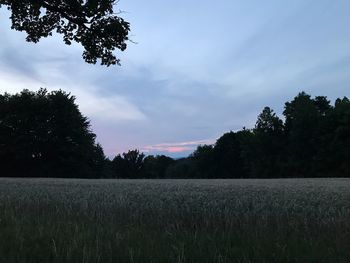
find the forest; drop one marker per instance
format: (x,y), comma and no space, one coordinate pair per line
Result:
(43,134)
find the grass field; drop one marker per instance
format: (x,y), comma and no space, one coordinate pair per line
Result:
(286,220)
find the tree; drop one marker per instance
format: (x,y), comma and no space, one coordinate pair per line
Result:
(99,162)
(156,166)
(304,118)
(246,138)
(44,135)
(340,143)
(92,23)
(333,157)
(222,160)
(181,168)
(204,163)
(268,122)
(228,156)
(267,156)
(129,165)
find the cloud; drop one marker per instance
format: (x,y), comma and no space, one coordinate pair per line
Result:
(115,108)
(179,147)
(111,109)
(13,83)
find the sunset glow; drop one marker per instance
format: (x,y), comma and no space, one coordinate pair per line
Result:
(181,147)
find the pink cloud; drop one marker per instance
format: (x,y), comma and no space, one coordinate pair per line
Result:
(176,147)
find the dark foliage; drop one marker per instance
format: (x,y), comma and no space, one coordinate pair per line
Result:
(224,158)
(91,23)
(134,164)
(304,118)
(156,166)
(44,135)
(182,168)
(203,162)
(128,165)
(314,141)
(267,148)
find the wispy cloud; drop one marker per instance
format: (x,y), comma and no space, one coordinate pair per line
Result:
(115,108)
(13,83)
(179,147)
(111,109)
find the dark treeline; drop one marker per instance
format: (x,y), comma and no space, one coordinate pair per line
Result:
(313,141)
(44,134)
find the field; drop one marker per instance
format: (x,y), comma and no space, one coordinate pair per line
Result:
(285,220)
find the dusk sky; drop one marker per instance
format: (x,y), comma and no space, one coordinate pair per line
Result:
(198,69)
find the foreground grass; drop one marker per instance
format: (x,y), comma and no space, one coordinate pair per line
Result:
(287,220)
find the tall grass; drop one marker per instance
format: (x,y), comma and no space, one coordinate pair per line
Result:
(287,220)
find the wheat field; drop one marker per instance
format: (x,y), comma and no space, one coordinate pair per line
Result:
(276,220)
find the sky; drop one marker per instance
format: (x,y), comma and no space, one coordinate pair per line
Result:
(192,71)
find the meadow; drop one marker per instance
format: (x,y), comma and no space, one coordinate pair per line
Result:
(275,220)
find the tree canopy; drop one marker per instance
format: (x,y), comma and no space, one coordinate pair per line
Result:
(91,23)
(44,134)
(128,165)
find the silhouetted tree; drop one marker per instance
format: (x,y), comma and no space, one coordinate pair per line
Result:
(119,167)
(181,168)
(222,160)
(340,144)
(99,162)
(129,165)
(246,139)
(228,157)
(91,23)
(203,161)
(156,166)
(333,156)
(44,134)
(303,121)
(268,146)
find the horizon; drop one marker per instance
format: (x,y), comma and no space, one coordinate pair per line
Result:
(195,73)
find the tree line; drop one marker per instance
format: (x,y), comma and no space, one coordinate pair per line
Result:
(43,134)
(312,141)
